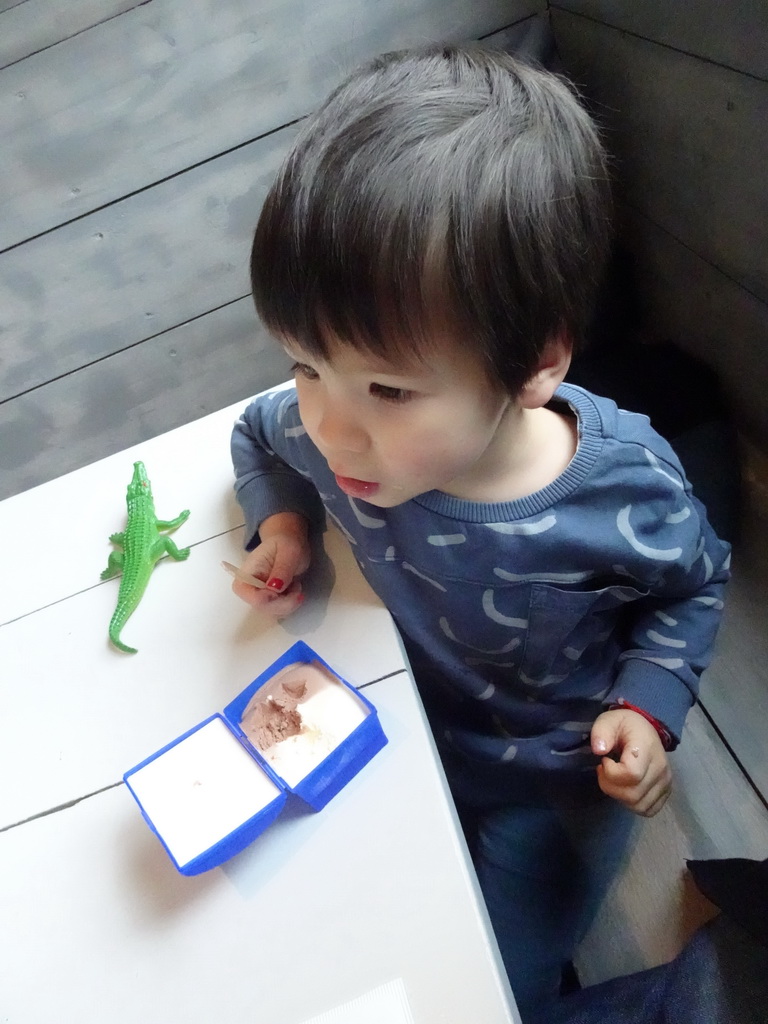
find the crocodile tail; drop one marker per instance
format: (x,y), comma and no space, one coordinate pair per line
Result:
(115,626)
(118,643)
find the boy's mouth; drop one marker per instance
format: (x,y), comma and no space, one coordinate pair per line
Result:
(356,488)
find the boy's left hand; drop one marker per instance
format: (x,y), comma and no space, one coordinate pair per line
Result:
(641,779)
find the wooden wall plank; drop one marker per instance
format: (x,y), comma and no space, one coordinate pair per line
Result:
(733,33)
(686,300)
(174,82)
(35,25)
(119,276)
(195,369)
(653,907)
(137,267)
(690,139)
(530,37)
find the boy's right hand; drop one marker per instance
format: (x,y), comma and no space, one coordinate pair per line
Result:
(283,555)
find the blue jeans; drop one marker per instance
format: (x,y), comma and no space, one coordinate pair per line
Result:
(543,872)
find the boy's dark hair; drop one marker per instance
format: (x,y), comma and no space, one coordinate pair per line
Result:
(448,185)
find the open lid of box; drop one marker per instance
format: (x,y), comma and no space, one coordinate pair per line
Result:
(297,728)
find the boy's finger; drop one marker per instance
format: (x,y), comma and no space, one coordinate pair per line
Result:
(622,774)
(257,563)
(279,606)
(603,737)
(282,573)
(635,759)
(657,804)
(275,605)
(629,797)
(649,803)
(608,785)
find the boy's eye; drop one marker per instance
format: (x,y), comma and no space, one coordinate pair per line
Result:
(302,370)
(390,394)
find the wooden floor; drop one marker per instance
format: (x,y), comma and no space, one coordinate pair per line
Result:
(137,140)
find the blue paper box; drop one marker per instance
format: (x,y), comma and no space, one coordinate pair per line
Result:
(297,728)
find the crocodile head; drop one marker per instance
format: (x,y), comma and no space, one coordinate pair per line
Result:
(139,485)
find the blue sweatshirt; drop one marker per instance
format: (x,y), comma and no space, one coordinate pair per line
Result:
(523,620)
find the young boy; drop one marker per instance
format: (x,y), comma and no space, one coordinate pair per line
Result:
(429,255)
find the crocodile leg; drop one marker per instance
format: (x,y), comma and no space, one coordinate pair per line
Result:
(163,545)
(170,548)
(118,538)
(172,524)
(114,565)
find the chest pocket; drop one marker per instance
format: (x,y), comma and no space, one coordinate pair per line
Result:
(563,623)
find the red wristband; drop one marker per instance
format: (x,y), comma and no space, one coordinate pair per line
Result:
(666,737)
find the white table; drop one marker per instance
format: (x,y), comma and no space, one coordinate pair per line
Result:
(95,922)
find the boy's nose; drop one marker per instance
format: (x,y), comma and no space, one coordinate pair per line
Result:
(341,431)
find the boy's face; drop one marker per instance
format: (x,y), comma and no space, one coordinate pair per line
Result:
(390,432)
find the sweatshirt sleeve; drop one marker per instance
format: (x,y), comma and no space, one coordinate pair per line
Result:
(671,632)
(268,477)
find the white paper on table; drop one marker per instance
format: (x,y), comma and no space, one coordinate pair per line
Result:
(387,1004)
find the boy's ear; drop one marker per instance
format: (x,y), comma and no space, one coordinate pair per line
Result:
(553,366)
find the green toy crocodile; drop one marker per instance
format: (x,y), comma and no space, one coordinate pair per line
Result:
(143,544)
